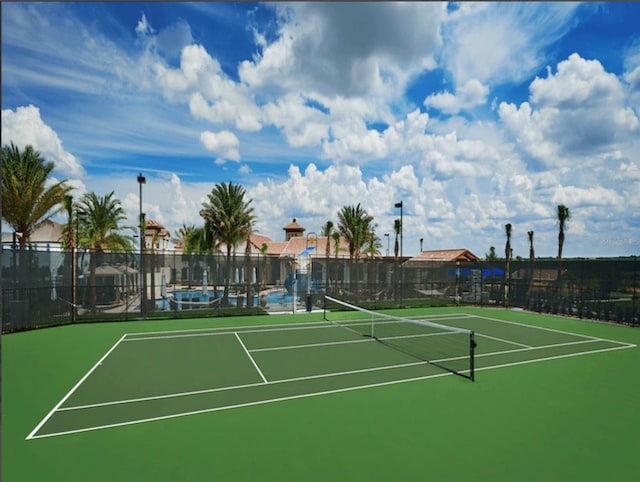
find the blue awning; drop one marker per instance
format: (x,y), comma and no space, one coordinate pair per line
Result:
(307,251)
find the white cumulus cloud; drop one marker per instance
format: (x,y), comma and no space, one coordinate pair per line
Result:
(347,49)
(469,95)
(224,144)
(25,126)
(581,109)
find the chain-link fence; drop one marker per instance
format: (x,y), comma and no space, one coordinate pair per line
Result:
(53,288)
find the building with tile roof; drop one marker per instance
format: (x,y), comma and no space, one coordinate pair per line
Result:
(156,236)
(461,255)
(48,236)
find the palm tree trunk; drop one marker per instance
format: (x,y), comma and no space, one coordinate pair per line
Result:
(152,269)
(227,281)
(248,274)
(92,281)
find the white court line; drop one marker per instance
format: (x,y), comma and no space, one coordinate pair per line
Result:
(54,409)
(344,342)
(502,340)
(251,358)
(311,345)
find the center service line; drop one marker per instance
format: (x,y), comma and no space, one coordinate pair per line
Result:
(250,357)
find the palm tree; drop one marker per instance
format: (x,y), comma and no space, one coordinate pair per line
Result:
(99,230)
(68,240)
(532,260)
(372,244)
(507,269)
(336,246)
(27,202)
(99,219)
(195,240)
(264,249)
(231,219)
(397,227)
(563,216)
(491,255)
(327,231)
(69,244)
(248,272)
(355,224)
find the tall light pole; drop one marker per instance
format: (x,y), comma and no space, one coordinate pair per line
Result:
(74,265)
(387,235)
(312,240)
(399,205)
(143,279)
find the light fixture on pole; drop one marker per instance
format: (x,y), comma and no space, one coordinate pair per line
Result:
(399,205)
(143,281)
(387,236)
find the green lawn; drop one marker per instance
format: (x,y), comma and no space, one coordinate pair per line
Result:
(565,419)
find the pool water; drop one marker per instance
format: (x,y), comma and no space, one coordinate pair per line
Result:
(193,296)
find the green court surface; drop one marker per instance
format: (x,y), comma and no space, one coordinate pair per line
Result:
(297,398)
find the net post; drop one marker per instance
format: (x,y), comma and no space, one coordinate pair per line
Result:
(472,349)
(373,335)
(324,307)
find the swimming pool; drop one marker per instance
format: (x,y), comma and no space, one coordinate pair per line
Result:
(196,299)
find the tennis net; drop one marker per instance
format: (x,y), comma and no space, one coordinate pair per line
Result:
(447,347)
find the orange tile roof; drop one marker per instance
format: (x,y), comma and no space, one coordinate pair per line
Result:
(446,255)
(294,226)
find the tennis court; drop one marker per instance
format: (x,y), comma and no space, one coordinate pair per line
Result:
(158,375)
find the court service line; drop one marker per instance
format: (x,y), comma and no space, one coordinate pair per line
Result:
(311,345)
(75,387)
(343,342)
(503,340)
(251,358)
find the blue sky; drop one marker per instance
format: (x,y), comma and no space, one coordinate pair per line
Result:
(473,114)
